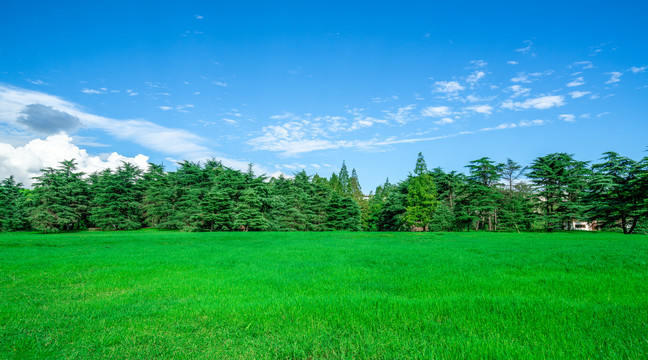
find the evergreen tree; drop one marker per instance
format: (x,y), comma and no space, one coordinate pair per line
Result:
(60,199)
(560,181)
(117,200)
(13,206)
(616,197)
(421,197)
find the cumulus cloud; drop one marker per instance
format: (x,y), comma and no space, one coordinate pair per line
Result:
(436,111)
(25,162)
(541,103)
(576,82)
(177,142)
(615,77)
(44,119)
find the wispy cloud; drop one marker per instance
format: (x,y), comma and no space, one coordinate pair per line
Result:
(436,111)
(578,94)
(541,103)
(615,77)
(525,49)
(38,82)
(13,102)
(584,64)
(576,82)
(448,87)
(482,109)
(636,70)
(567,117)
(475,77)
(518,90)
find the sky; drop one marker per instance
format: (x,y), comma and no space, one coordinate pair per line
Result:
(299,85)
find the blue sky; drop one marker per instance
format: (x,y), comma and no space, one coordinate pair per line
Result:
(307,85)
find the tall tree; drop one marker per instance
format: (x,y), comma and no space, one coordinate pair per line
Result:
(13,206)
(60,199)
(117,200)
(421,197)
(482,196)
(617,195)
(560,181)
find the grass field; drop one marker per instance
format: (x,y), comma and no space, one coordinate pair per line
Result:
(152,294)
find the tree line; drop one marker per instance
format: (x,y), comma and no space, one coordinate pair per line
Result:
(553,192)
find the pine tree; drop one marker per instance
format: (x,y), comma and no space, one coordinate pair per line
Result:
(117,200)
(13,206)
(60,199)
(421,197)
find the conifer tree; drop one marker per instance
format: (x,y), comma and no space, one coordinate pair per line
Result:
(13,206)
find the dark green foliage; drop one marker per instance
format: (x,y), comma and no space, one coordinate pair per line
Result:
(117,200)
(618,194)
(13,206)
(60,199)
(560,181)
(343,213)
(213,197)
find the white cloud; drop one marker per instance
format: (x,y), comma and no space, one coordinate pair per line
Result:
(219,83)
(477,64)
(92,91)
(521,78)
(523,123)
(636,70)
(585,64)
(436,111)
(615,77)
(578,94)
(165,108)
(576,82)
(38,82)
(199,17)
(527,48)
(25,162)
(403,114)
(153,136)
(567,117)
(512,62)
(444,121)
(475,77)
(382,100)
(482,109)
(541,103)
(518,90)
(447,87)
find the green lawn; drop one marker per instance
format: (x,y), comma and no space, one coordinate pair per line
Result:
(152,294)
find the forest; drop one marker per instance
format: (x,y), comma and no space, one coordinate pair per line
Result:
(551,193)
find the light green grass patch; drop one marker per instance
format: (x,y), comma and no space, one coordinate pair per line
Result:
(155,294)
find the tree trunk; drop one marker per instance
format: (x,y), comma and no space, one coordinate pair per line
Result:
(632,226)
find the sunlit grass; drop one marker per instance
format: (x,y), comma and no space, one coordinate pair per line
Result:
(152,294)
